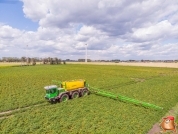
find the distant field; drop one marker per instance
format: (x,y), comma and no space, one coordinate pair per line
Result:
(24,87)
(9,64)
(4,64)
(149,64)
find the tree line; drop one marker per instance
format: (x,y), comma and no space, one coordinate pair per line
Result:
(32,61)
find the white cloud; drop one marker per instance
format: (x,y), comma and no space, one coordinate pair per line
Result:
(35,10)
(9,32)
(112,29)
(173,18)
(155,32)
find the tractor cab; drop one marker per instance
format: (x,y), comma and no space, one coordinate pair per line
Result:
(51,92)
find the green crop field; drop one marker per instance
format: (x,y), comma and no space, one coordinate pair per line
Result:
(23,87)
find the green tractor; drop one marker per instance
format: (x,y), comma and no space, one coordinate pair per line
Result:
(66,90)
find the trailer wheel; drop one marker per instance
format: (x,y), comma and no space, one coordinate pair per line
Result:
(85,92)
(75,95)
(64,98)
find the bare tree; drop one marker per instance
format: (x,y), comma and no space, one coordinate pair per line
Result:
(28,61)
(33,61)
(51,61)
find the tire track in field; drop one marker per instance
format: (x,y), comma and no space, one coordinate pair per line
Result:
(134,81)
(10,113)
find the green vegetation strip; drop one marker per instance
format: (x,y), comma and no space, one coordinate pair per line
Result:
(123,98)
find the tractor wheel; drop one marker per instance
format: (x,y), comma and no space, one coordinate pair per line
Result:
(75,95)
(85,92)
(53,101)
(64,98)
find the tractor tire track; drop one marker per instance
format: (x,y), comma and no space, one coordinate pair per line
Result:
(132,82)
(10,113)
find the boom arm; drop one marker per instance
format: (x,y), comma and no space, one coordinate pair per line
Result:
(123,98)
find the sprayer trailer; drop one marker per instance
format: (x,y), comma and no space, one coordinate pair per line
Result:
(66,90)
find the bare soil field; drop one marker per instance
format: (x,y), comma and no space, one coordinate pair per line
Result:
(9,64)
(146,64)
(12,63)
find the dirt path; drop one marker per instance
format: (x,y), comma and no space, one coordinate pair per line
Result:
(156,128)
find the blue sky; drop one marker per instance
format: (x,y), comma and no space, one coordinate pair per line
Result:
(11,13)
(127,29)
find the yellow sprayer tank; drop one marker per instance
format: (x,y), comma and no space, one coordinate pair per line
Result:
(74,84)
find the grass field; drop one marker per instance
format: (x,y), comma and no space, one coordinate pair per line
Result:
(23,87)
